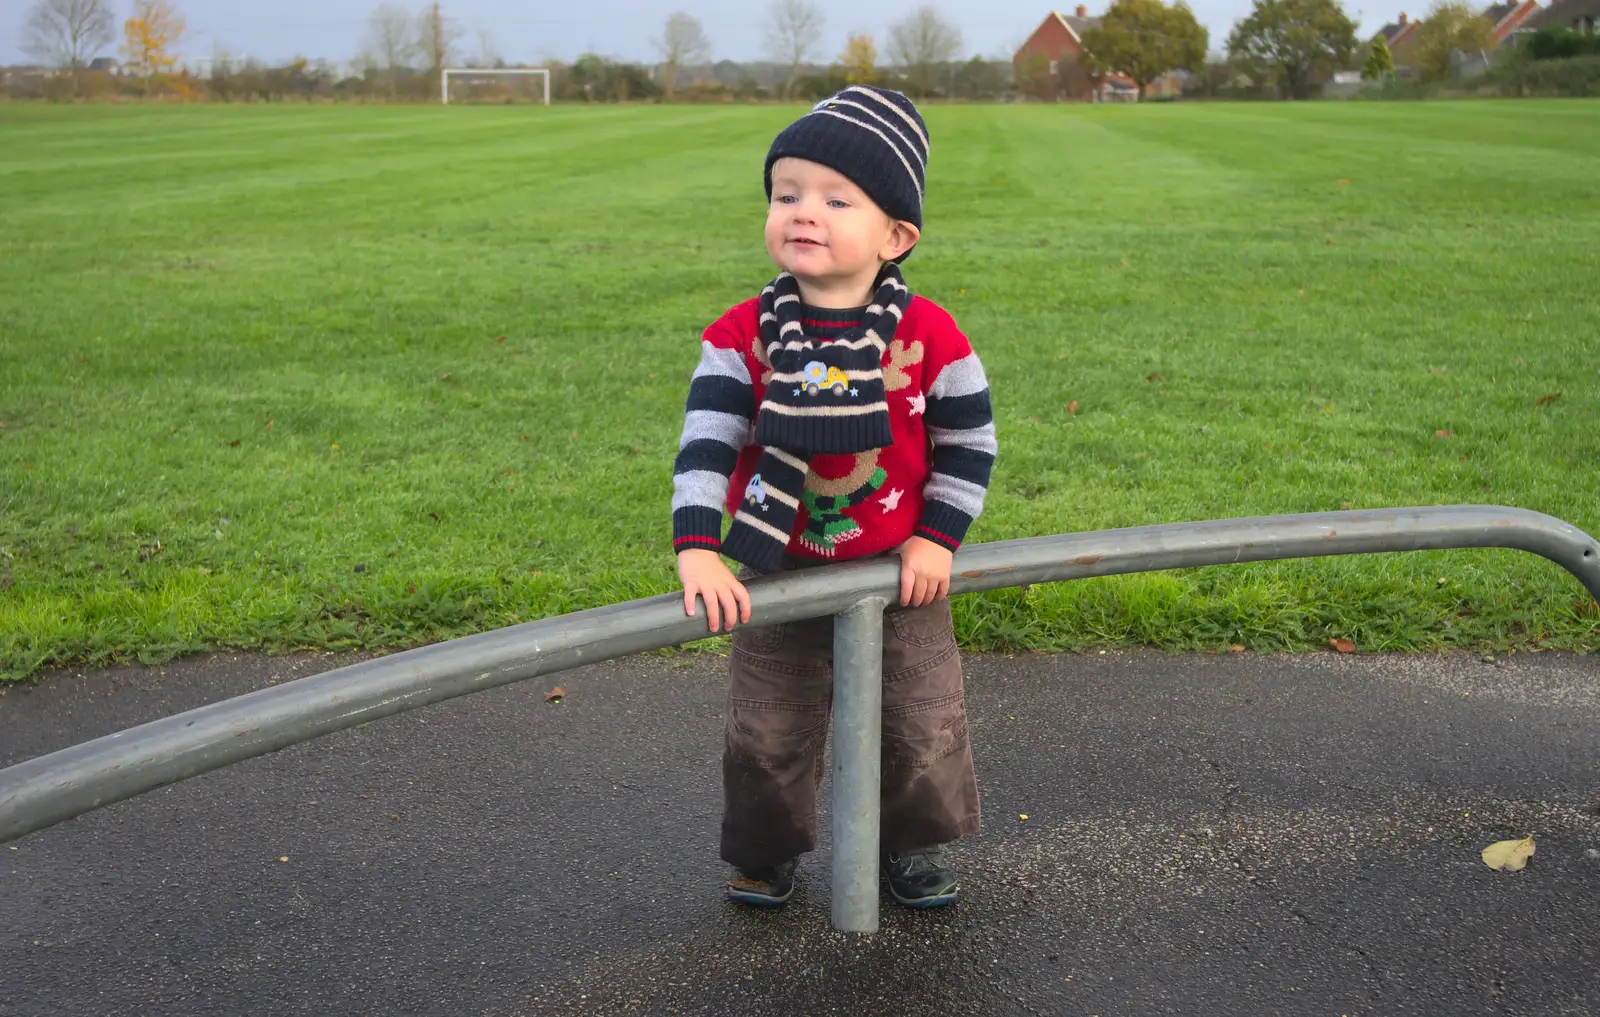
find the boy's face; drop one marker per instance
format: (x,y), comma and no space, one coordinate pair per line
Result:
(822,228)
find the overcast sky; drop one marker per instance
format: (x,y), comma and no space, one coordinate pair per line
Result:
(529,30)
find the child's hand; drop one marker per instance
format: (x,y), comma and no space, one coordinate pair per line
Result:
(924,572)
(702,572)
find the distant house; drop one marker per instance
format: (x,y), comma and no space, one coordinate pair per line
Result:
(1507,19)
(107,64)
(1049,65)
(1400,36)
(1582,16)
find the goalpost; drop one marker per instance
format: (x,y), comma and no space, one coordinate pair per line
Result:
(444,78)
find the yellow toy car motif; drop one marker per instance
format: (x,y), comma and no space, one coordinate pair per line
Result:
(819,376)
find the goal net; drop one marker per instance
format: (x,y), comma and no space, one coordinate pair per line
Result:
(489,72)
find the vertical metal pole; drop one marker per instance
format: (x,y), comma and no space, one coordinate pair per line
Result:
(547,88)
(444,88)
(857,759)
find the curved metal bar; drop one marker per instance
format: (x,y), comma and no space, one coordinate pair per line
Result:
(60,785)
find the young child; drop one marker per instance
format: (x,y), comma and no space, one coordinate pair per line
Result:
(837,416)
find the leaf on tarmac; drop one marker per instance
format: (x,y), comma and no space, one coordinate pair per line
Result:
(1509,855)
(1342,645)
(555,695)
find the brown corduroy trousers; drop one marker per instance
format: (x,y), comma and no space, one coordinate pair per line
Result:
(776,724)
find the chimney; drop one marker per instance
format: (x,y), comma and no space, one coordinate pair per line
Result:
(1402,19)
(1083,11)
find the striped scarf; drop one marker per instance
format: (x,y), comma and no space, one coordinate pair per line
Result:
(825,398)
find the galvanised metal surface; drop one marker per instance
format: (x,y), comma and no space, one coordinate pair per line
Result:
(857,762)
(58,786)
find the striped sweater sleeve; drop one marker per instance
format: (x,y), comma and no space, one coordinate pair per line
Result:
(716,425)
(960,425)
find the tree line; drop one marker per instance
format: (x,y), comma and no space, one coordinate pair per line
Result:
(1285,48)
(402,52)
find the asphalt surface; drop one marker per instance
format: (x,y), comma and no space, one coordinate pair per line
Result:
(1205,835)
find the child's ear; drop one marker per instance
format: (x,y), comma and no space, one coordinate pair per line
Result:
(903,236)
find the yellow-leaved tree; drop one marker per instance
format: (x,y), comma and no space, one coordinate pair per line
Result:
(149,38)
(860,60)
(1451,27)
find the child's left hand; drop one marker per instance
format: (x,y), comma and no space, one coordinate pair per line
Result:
(924,572)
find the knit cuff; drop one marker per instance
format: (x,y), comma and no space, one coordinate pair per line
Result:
(695,526)
(943,524)
(751,547)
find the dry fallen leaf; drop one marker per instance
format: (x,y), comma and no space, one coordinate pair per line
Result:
(1022,815)
(1342,645)
(1236,647)
(1509,855)
(555,695)
(1546,400)
(1342,180)
(1442,433)
(1152,376)
(1072,408)
(284,858)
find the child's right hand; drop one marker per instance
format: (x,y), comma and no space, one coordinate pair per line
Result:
(702,572)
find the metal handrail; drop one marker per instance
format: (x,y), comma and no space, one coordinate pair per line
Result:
(60,785)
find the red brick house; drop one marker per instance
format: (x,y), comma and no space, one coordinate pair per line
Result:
(1048,64)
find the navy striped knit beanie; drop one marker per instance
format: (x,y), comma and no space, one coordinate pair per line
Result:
(874,136)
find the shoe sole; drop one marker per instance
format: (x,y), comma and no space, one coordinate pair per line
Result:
(943,898)
(760,900)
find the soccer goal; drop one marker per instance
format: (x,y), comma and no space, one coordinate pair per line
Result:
(444,77)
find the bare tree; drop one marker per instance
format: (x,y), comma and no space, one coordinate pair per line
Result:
(390,43)
(682,42)
(794,27)
(68,34)
(435,35)
(488,52)
(920,42)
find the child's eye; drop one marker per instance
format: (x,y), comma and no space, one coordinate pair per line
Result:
(787,199)
(838,203)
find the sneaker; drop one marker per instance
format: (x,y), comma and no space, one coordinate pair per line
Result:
(768,887)
(919,879)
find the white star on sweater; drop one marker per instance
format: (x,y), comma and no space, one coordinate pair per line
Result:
(891,501)
(918,403)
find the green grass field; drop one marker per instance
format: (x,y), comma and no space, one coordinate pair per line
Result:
(341,376)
